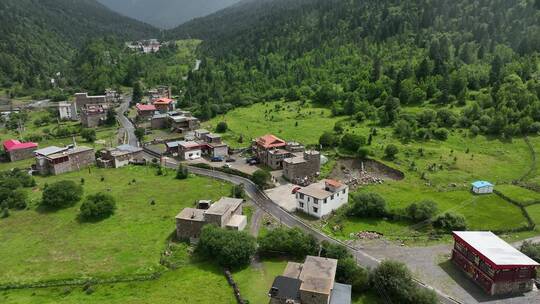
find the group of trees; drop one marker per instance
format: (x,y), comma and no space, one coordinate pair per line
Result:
(372,205)
(12,192)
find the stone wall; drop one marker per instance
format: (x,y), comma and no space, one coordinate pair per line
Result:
(92,120)
(21,154)
(186,229)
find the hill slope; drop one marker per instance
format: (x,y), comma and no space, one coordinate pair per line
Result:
(166,13)
(38,36)
(371,57)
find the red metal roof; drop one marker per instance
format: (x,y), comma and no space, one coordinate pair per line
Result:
(13,144)
(163,101)
(145,107)
(270,141)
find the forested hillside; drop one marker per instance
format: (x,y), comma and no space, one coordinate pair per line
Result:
(370,58)
(38,37)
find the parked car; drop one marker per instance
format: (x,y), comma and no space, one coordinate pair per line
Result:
(230,160)
(228,166)
(216,159)
(295,189)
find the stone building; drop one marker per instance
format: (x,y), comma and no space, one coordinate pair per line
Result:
(55,160)
(120,156)
(17,150)
(225,213)
(177,121)
(93,115)
(302,167)
(164,105)
(83,99)
(67,111)
(145,111)
(312,282)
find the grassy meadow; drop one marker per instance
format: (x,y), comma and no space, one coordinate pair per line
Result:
(40,246)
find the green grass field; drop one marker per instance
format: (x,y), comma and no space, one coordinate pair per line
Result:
(263,118)
(519,194)
(44,246)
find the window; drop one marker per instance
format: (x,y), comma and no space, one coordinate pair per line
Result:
(315,209)
(332,197)
(343,191)
(315,201)
(302,205)
(325,200)
(301,196)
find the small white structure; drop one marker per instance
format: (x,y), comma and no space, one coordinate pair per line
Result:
(322,198)
(66,111)
(482,187)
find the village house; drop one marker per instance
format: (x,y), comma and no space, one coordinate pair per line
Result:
(55,160)
(145,111)
(482,187)
(185,150)
(310,283)
(83,99)
(177,121)
(225,213)
(17,150)
(212,144)
(299,165)
(67,111)
(160,92)
(120,156)
(164,105)
(93,115)
(496,266)
(321,198)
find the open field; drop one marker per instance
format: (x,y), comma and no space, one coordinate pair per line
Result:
(263,118)
(127,243)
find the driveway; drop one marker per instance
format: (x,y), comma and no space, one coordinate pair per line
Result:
(239,164)
(282,195)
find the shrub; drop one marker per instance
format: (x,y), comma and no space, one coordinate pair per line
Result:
(285,241)
(363,152)
(367,205)
(450,221)
(441,134)
(352,142)
(89,135)
(17,199)
(348,271)
(391,151)
(328,140)
(422,211)
(261,178)
(222,127)
(238,191)
(228,248)
(395,280)
(98,206)
(182,172)
(531,249)
(61,194)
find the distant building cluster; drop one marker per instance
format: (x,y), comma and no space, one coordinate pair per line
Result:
(145,46)
(197,144)
(90,110)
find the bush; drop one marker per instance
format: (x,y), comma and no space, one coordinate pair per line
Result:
(450,222)
(441,134)
(238,191)
(89,135)
(98,206)
(261,178)
(328,140)
(17,199)
(395,280)
(222,127)
(182,172)
(285,241)
(61,194)
(363,152)
(352,142)
(422,211)
(531,249)
(391,151)
(367,205)
(228,248)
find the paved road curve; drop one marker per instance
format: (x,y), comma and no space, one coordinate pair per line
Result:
(260,198)
(125,122)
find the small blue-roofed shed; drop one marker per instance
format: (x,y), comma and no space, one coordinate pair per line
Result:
(482,187)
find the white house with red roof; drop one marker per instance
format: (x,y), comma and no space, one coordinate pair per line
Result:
(320,199)
(17,150)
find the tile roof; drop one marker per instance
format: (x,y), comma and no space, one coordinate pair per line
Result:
(163,101)
(145,107)
(13,144)
(333,183)
(270,141)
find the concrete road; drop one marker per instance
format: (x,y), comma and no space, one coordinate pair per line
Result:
(127,126)
(287,219)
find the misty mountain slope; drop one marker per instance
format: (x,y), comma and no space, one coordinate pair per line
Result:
(166,13)
(39,36)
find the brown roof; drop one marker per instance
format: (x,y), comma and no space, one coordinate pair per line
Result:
(191,214)
(292,270)
(318,274)
(333,183)
(270,141)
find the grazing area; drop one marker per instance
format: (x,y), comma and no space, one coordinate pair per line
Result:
(125,244)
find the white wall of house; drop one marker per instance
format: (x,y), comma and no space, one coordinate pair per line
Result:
(120,163)
(483,190)
(192,154)
(321,207)
(220,151)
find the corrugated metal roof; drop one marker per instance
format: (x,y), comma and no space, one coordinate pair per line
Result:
(481,184)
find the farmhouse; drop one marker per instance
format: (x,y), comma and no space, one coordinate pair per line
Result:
(320,199)
(298,164)
(83,99)
(120,156)
(186,150)
(145,111)
(310,283)
(496,266)
(93,115)
(225,213)
(164,105)
(17,150)
(67,111)
(177,121)
(55,160)
(482,187)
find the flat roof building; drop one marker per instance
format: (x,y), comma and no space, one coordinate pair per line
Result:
(496,266)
